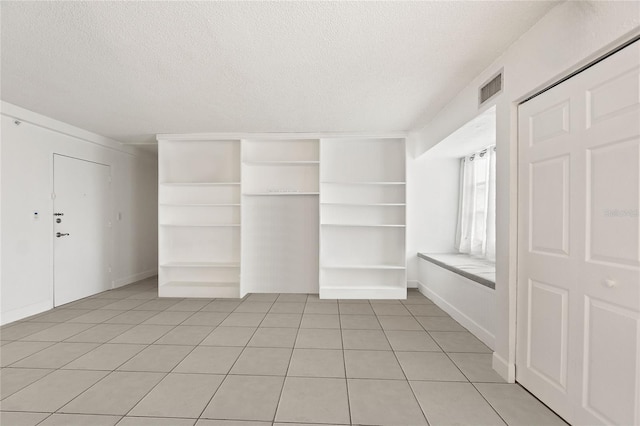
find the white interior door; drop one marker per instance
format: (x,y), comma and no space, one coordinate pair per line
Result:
(578,313)
(81,228)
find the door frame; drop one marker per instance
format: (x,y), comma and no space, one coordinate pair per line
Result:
(514,285)
(110,236)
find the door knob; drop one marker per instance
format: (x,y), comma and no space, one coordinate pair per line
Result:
(59,234)
(608,282)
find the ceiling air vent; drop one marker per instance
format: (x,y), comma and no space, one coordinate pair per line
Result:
(490,89)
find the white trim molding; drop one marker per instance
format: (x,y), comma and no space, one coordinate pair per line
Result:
(133,278)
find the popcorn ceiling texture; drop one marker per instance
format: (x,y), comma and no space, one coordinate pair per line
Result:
(129,70)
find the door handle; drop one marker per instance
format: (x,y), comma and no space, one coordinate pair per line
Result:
(59,234)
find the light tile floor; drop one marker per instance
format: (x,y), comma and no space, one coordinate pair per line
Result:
(127,357)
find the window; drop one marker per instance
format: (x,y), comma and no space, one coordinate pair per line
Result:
(476,230)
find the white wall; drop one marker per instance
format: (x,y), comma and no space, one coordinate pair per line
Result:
(471,304)
(569,36)
(26,285)
(432,208)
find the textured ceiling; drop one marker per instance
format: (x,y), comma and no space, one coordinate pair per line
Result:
(129,70)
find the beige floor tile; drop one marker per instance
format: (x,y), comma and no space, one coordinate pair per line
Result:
(23,329)
(88,303)
(261,297)
(312,338)
(317,363)
(411,341)
(359,322)
(211,319)
(14,379)
(263,362)
(95,317)
(207,422)
(21,419)
(292,297)
(372,365)
(124,305)
(100,333)
(157,304)
(517,406)
(189,335)
(246,398)
(229,336)
(57,333)
(448,403)
(274,338)
(243,319)
(106,357)
(356,309)
(79,420)
(220,306)
(179,395)
(158,358)
(440,324)
(15,351)
(169,318)
(281,320)
(60,315)
(55,356)
(155,421)
(426,311)
(429,366)
(131,317)
(190,305)
(287,308)
(52,391)
(116,394)
(384,402)
(313,400)
(396,322)
(321,308)
(254,307)
(365,339)
(477,367)
(142,334)
(459,341)
(320,321)
(390,309)
(209,360)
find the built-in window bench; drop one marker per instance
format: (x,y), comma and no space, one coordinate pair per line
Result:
(481,271)
(463,287)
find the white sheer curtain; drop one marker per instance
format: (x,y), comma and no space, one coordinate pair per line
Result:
(476,231)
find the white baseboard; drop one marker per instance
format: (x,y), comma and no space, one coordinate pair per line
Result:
(133,278)
(506,370)
(412,284)
(27,311)
(480,332)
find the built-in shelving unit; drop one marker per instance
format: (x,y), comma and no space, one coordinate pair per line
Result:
(362,218)
(280,181)
(199,218)
(281,213)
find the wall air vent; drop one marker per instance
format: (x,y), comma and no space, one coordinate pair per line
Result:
(490,89)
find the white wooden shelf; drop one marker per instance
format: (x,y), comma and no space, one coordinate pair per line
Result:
(362,225)
(208,289)
(279,193)
(201,225)
(345,291)
(361,183)
(363,267)
(365,204)
(199,183)
(199,265)
(281,163)
(198,205)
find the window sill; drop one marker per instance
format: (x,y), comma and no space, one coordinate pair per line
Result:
(479,270)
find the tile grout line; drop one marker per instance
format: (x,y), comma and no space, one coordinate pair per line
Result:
(344,364)
(424,415)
